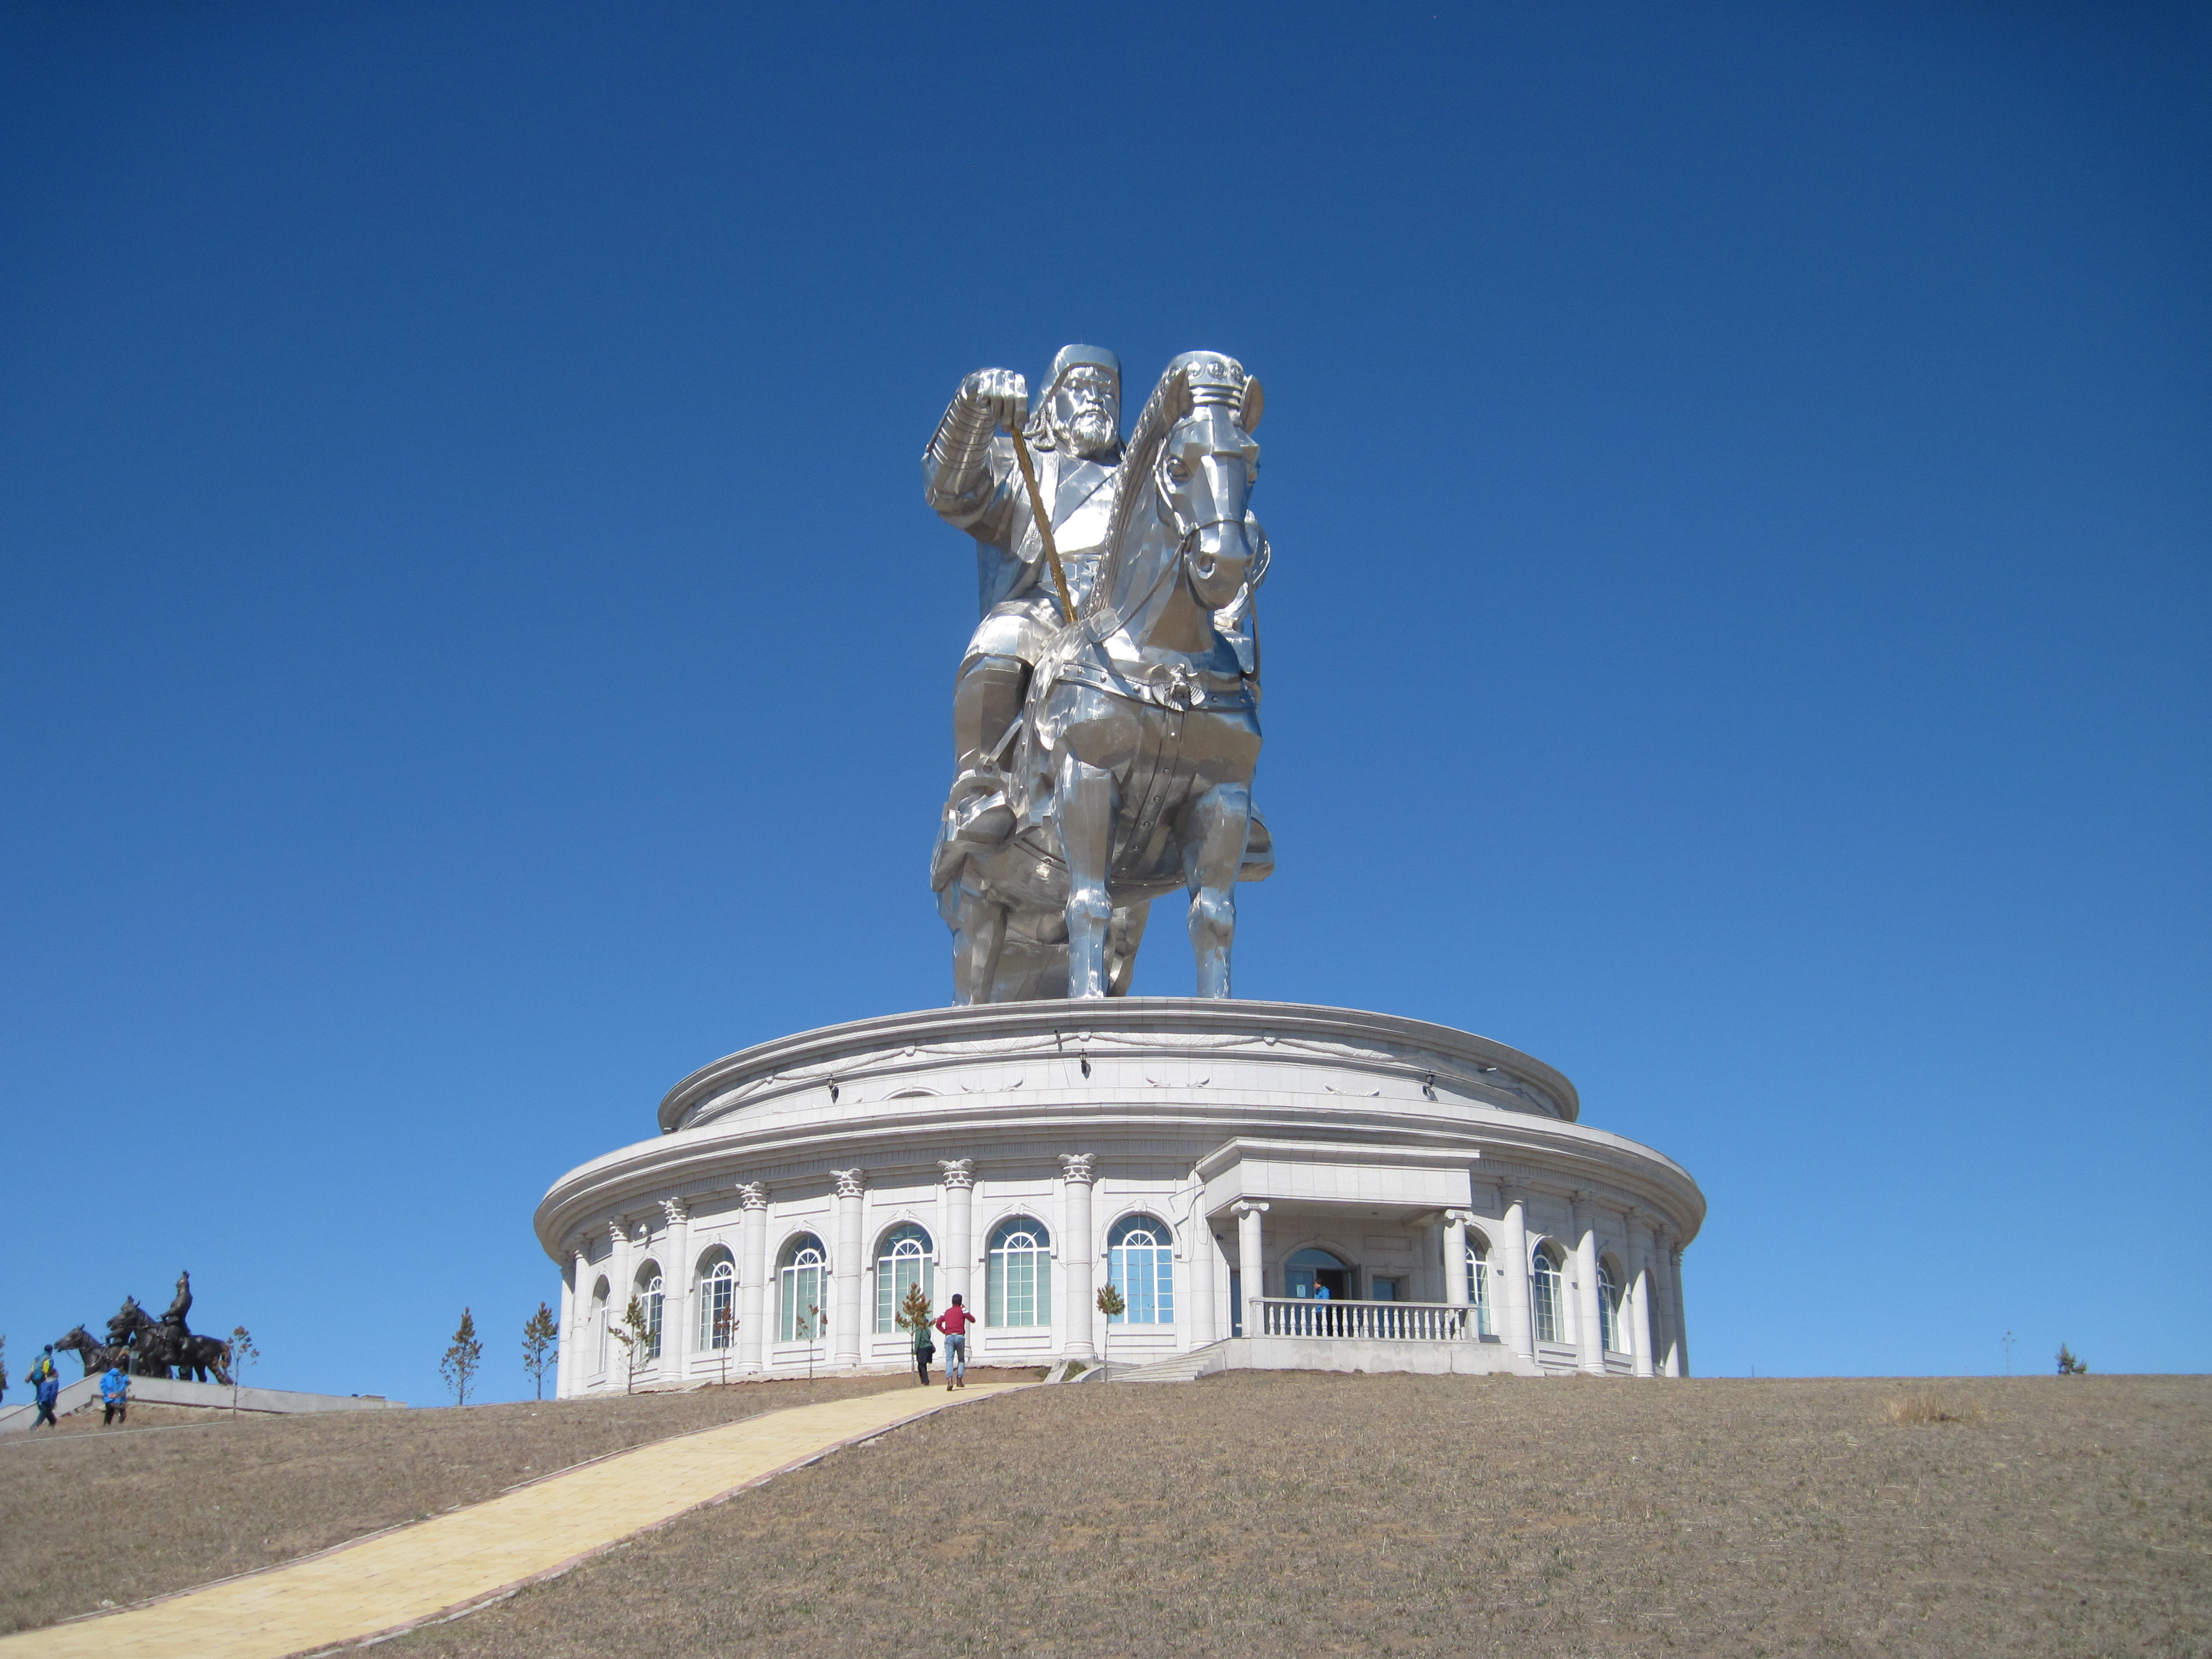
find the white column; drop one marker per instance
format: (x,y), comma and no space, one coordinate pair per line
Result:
(1456,1290)
(676,1292)
(956,1249)
(570,1367)
(1640,1292)
(1251,1262)
(1195,1292)
(754,1303)
(620,1259)
(1516,1323)
(1681,1321)
(1590,1341)
(1077,1254)
(621,1268)
(846,1270)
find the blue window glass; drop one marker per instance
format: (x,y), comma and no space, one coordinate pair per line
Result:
(903,1260)
(1018,1283)
(804,1290)
(1140,1264)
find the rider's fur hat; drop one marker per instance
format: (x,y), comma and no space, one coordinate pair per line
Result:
(1083,356)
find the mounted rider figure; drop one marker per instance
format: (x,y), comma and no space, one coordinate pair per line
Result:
(971,478)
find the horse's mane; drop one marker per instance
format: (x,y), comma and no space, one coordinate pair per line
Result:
(1170,401)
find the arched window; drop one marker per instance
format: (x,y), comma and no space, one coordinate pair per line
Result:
(1018,1289)
(1544,1292)
(902,1259)
(599,1293)
(1140,1264)
(805,1301)
(717,1305)
(651,1297)
(1608,1308)
(1478,1282)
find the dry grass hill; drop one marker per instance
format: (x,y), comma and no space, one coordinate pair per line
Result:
(1252,1513)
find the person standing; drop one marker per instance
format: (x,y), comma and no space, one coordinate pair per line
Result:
(115,1396)
(925,1350)
(953,1322)
(46,1387)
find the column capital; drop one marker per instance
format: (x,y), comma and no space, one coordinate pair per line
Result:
(1247,1206)
(1458,1218)
(1076,1167)
(1511,1192)
(617,1232)
(581,1247)
(958,1171)
(676,1210)
(752,1194)
(850,1183)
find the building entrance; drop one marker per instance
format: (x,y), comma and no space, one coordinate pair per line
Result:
(1309,1271)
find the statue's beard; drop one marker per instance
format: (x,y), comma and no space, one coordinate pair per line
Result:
(1089,432)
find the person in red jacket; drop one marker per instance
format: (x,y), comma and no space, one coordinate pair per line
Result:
(953,1325)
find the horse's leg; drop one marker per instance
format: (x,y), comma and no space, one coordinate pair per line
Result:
(1129,932)
(1083,805)
(1214,851)
(979,933)
(985,933)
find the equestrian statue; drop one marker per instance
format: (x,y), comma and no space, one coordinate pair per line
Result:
(1106,713)
(147,1346)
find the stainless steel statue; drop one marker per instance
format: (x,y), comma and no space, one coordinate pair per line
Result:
(1103,762)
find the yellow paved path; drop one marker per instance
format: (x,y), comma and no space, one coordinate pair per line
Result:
(415,1573)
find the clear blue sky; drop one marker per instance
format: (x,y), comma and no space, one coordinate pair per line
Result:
(1742,486)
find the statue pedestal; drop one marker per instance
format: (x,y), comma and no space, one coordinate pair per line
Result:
(1221,1162)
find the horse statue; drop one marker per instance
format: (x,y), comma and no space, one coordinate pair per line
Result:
(158,1348)
(134,1334)
(1132,760)
(92,1354)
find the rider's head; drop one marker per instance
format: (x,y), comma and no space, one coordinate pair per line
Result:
(1083,408)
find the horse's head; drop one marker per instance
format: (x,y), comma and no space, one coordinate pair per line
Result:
(1204,477)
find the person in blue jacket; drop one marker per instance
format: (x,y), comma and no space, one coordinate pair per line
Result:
(115,1396)
(46,1385)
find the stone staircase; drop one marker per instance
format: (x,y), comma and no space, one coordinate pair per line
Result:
(1179,1368)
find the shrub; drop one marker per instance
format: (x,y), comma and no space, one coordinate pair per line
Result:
(1924,1406)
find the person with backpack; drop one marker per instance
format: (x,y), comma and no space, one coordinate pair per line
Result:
(954,1322)
(46,1386)
(925,1350)
(114,1397)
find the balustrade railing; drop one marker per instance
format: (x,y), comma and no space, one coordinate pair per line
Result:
(1375,1322)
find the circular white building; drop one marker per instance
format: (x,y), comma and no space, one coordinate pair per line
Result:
(1268,1184)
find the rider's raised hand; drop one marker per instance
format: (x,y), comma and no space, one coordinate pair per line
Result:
(1003,392)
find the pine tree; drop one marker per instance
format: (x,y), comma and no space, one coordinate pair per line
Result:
(635,1333)
(540,1338)
(2071,1364)
(1111,1305)
(242,1354)
(725,1323)
(459,1367)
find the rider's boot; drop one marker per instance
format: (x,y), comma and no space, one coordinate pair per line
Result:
(986,702)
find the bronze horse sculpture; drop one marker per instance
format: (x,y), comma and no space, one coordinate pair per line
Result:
(157,1349)
(92,1353)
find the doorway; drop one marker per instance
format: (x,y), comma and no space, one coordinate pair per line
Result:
(1311,1272)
